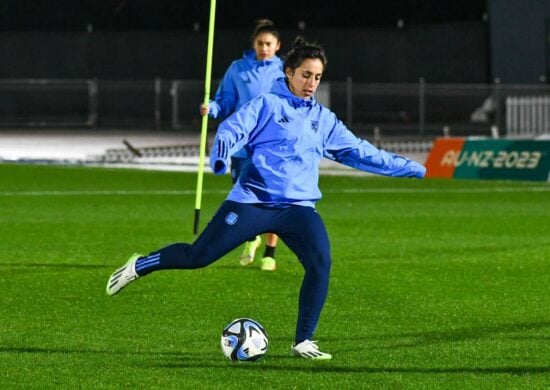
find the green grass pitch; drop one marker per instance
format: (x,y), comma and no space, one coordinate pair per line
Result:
(435,284)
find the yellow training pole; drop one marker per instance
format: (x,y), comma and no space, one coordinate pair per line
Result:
(204,128)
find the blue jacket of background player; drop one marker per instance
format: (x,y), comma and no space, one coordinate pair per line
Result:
(286,137)
(245,79)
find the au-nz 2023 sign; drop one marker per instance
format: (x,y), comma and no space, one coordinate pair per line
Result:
(462,158)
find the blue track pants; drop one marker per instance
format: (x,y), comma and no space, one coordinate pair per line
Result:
(300,228)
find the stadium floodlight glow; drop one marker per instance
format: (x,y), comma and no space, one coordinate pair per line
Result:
(207,79)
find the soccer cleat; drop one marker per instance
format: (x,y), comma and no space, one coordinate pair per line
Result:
(268,264)
(123,276)
(250,247)
(309,350)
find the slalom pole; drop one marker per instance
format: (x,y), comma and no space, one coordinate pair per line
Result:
(204,129)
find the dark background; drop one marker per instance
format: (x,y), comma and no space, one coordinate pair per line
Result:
(132,51)
(468,41)
(123,15)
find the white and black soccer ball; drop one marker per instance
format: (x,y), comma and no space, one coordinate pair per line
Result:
(244,339)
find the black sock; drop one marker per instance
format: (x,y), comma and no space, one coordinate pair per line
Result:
(269,251)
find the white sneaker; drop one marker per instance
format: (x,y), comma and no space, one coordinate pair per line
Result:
(308,349)
(250,247)
(123,276)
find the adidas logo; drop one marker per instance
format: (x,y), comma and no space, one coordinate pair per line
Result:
(284,119)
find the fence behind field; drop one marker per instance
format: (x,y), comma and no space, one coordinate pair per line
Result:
(388,110)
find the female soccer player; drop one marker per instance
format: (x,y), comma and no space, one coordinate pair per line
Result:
(286,134)
(245,79)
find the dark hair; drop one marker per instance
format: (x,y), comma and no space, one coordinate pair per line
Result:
(264,26)
(301,50)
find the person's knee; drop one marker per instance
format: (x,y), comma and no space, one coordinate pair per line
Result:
(317,261)
(203,257)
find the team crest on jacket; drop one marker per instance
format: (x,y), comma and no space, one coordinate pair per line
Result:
(315,126)
(231,218)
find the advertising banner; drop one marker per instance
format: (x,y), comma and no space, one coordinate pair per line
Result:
(502,159)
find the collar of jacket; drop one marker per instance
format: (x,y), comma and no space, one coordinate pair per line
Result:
(250,57)
(280,87)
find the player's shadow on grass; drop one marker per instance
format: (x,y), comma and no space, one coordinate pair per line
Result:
(181,360)
(301,365)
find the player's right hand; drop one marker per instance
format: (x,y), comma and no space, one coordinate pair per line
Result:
(204,109)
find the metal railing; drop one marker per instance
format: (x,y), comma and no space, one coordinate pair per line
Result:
(528,115)
(416,109)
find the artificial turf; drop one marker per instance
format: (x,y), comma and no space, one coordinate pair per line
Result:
(434,284)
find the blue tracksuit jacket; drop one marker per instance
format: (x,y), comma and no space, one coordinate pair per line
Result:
(245,79)
(286,137)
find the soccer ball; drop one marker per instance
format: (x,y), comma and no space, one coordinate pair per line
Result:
(244,339)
